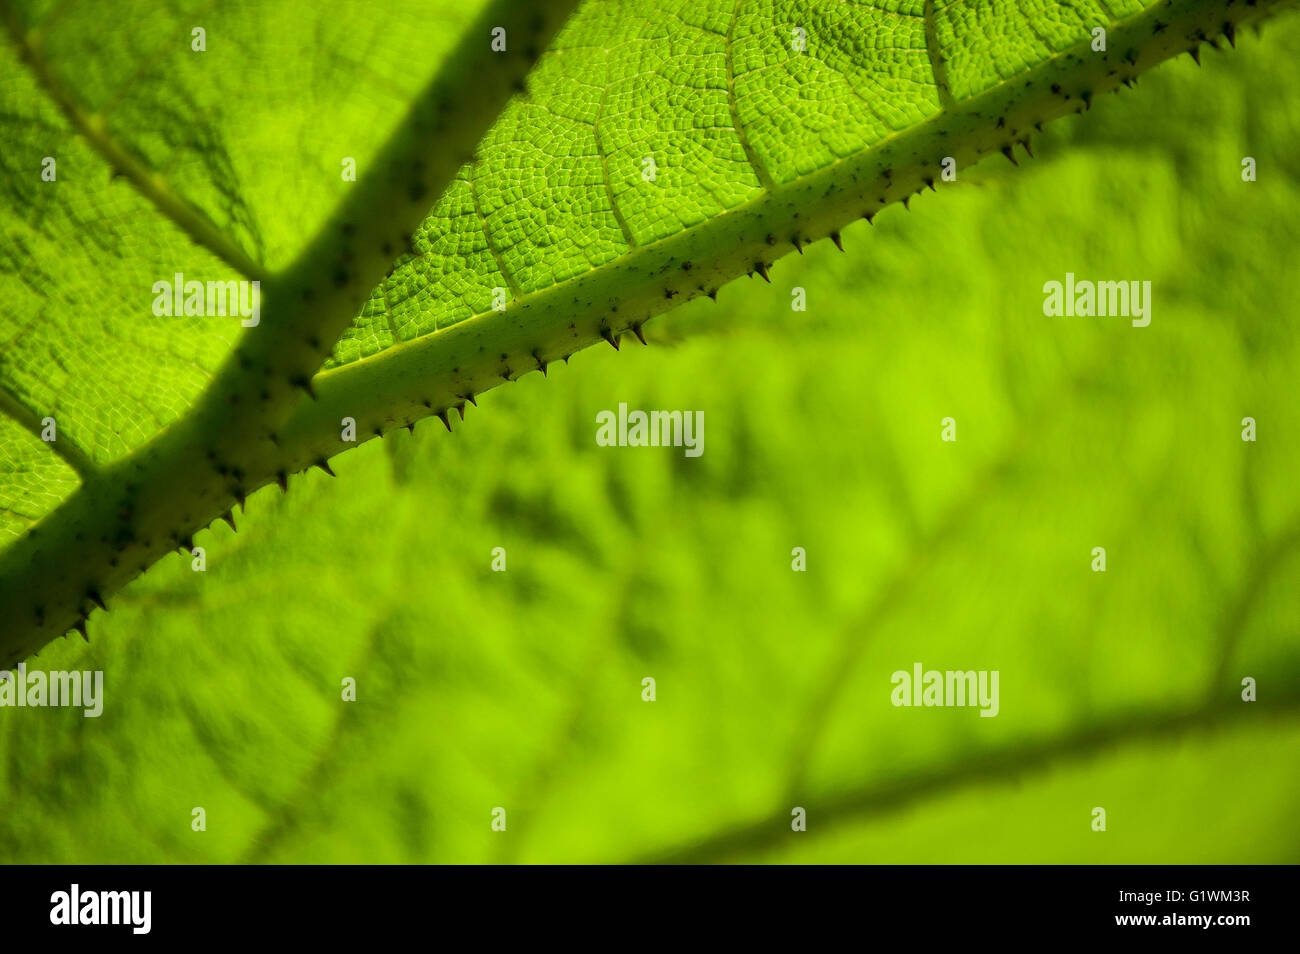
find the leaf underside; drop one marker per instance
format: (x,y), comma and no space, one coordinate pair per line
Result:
(482,689)
(655,158)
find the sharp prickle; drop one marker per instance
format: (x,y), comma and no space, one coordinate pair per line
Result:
(304,384)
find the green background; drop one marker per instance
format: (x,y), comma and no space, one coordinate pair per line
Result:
(523,689)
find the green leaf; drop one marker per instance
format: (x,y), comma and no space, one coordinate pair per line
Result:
(228,443)
(764,143)
(522,689)
(730,102)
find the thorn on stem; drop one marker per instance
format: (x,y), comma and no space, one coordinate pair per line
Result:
(304,384)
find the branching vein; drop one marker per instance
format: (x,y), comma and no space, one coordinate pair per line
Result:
(26,418)
(937,64)
(148,182)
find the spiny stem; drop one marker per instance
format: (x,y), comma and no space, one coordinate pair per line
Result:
(251,427)
(414,378)
(124,518)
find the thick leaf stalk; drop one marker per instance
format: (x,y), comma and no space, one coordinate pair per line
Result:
(239,439)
